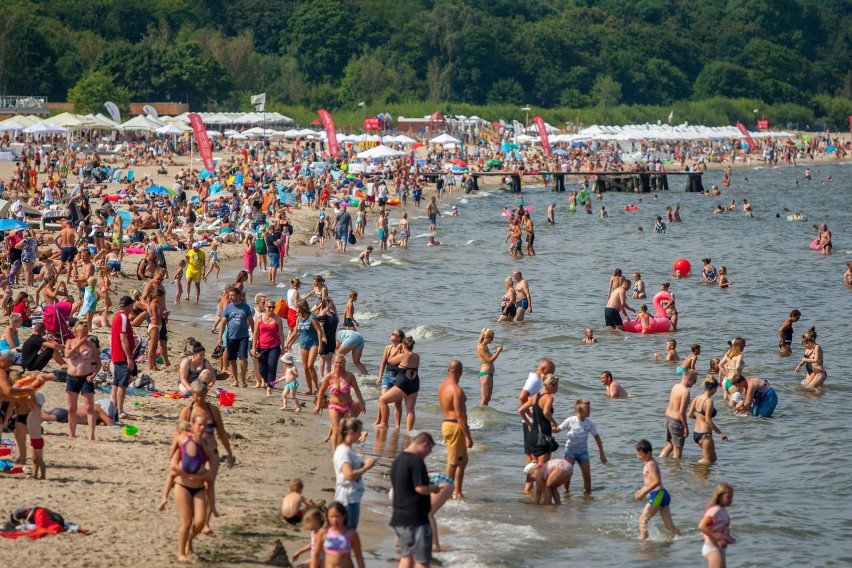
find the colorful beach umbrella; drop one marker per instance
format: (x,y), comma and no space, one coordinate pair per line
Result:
(11,224)
(158,190)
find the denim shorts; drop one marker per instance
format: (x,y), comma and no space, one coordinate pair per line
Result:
(388,379)
(577,457)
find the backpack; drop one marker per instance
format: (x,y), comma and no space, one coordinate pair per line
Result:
(281,308)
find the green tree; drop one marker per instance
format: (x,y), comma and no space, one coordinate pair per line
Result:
(725,79)
(506,91)
(93,90)
(606,92)
(319,35)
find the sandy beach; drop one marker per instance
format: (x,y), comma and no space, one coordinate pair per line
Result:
(111,487)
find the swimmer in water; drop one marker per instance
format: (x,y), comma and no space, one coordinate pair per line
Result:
(723,277)
(551,214)
(847,276)
(671,353)
(644,318)
(812,361)
(432,242)
(589,336)
(691,359)
(638,286)
(785,332)
(613,387)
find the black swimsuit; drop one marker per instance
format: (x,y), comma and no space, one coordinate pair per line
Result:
(404,383)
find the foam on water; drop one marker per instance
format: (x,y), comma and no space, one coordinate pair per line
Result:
(427,332)
(366,316)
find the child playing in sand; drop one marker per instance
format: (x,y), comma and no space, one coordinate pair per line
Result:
(577,447)
(313,522)
(295,505)
(589,338)
(658,498)
(671,354)
(290,380)
(644,318)
(177,280)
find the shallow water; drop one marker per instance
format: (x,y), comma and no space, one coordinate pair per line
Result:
(790,472)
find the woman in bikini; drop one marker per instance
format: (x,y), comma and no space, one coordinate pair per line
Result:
(703,412)
(812,361)
(337,544)
(155,311)
(486,365)
(191,367)
(213,428)
(339,383)
(190,477)
(406,386)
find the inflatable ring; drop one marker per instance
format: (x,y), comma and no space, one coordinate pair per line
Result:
(632,208)
(392,202)
(797,217)
(582,197)
(658,324)
(815,244)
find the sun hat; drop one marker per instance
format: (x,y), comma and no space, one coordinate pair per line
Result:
(288,359)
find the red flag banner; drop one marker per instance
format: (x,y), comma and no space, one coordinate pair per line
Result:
(751,145)
(328,124)
(542,133)
(372,123)
(204,149)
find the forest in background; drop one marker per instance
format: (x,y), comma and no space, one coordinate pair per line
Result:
(710,62)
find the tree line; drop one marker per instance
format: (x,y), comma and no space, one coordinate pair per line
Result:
(553,54)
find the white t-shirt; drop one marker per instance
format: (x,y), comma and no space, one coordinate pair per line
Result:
(578,434)
(347,492)
(533,384)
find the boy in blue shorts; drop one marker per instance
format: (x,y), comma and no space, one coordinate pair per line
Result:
(658,498)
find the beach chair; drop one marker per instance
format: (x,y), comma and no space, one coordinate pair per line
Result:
(130,175)
(116,176)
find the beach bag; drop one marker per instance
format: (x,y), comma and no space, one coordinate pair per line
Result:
(352,239)
(281,308)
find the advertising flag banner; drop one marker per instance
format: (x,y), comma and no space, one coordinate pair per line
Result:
(112,109)
(204,149)
(542,133)
(751,145)
(328,124)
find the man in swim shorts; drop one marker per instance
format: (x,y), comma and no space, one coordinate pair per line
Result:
(677,428)
(523,298)
(433,213)
(66,240)
(455,429)
(616,304)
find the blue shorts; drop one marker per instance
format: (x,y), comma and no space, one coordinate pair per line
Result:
(388,379)
(353,515)
(433,219)
(354,341)
(274,259)
(79,385)
(523,304)
(765,405)
(238,348)
(120,375)
(577,457)
(659,498)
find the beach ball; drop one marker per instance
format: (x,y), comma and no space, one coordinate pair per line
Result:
(683,266)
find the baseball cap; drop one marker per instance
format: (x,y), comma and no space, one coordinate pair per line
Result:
(125,301)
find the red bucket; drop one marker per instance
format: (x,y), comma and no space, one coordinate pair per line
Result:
(227,398)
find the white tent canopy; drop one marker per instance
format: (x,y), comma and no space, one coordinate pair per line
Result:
(11,125)
(444,139)
(380,151)
(169,129)
(141,122)
(44,128)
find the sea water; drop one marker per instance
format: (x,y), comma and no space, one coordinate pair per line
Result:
(790,473)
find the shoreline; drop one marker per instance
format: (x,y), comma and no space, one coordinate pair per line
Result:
(81,484)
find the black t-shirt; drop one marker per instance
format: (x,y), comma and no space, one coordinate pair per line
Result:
(344,221)
(410,508)
(29,351)
(272,237)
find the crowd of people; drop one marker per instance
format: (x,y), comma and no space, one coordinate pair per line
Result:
(181,229)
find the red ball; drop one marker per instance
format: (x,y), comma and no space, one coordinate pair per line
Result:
(683,266)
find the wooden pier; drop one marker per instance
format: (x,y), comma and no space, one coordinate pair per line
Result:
(633,182)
